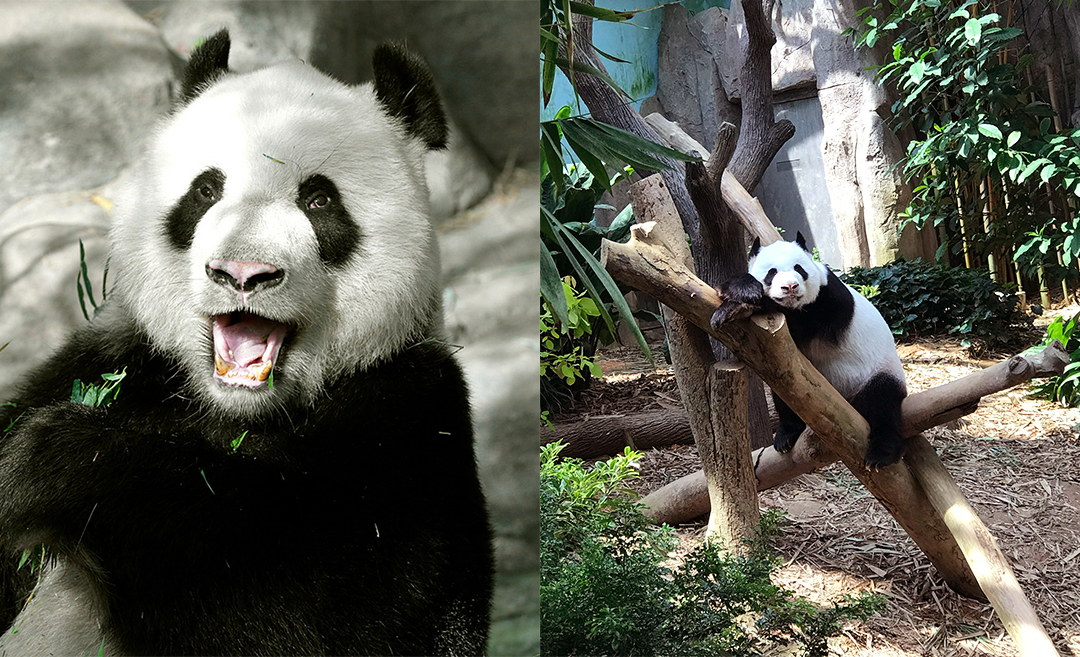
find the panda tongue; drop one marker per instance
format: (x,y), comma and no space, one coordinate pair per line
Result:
(243,339)
(246,339)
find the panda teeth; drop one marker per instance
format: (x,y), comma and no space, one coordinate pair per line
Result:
(264,373)
(222,367)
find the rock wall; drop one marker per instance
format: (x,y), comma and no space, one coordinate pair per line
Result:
(811,57)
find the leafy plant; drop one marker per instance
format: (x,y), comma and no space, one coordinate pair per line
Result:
(234,445)
(1064,389)
(102,394)
(562,353)
(570,196)
(985,160)
(920,299)
(604,588)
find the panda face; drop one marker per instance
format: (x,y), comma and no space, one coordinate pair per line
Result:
(789,274)
(276,237)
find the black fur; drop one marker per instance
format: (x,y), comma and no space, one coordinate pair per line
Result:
(879,403)
(336,232)
(405,89)
(742,296)
(355,526)
(827,318)
(790,427)
(207,64)
(205,190)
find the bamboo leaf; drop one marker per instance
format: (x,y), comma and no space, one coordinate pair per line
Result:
(551,288)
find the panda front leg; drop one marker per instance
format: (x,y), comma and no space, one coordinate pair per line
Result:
(742,296)
(879,403)
(790,428)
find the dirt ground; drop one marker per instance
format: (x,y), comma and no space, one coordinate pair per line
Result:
(1016,458)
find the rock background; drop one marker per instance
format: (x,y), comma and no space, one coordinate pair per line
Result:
(811,59)
(700,62)
(83,82)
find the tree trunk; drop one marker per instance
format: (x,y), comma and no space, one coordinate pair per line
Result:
(605,106)
(761,136)
(981,551)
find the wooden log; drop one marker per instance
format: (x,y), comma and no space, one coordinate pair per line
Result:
(745,207)
(922,410)
(610,434)
(981,551)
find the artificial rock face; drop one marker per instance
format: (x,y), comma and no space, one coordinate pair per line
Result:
(288,465)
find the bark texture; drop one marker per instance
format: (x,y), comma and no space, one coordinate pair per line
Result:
(604,436)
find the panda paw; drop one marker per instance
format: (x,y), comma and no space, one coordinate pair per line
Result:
(785,439)
(883,453)
(741,297)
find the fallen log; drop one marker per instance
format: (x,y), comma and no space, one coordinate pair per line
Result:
(688,497)
(981,551)
(606,435)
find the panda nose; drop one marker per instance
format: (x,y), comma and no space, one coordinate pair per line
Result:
(243,275)
(790,288)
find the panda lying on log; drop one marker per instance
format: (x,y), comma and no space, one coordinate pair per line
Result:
(837,329)
(288,467)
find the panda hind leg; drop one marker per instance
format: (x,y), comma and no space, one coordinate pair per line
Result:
(879,403)
(790,428)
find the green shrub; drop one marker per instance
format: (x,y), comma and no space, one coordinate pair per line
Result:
(604,590)
(1065,388)
(919,300)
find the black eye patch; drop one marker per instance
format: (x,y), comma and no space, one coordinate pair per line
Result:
(203,192)
(802,272)
(335,231)
(768,277)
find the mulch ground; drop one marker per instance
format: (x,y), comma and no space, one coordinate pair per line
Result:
(1017,459)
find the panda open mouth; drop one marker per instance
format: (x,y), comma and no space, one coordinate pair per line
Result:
(246,347)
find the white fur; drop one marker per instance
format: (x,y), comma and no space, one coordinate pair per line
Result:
(385,298)
(866,347)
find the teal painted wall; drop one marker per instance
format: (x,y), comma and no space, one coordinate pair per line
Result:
(634,41)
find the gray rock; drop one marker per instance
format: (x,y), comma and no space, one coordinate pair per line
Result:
(39,265)
(457,177)
(81,83)
(859,150)
(688,87)
(481,53)
(792,54)
(491,266)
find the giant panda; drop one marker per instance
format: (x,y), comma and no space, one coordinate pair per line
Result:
(837,329)
(288,465)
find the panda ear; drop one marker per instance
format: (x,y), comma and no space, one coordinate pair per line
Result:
(801,241)
(406,90)
(755,247)
(208,62)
